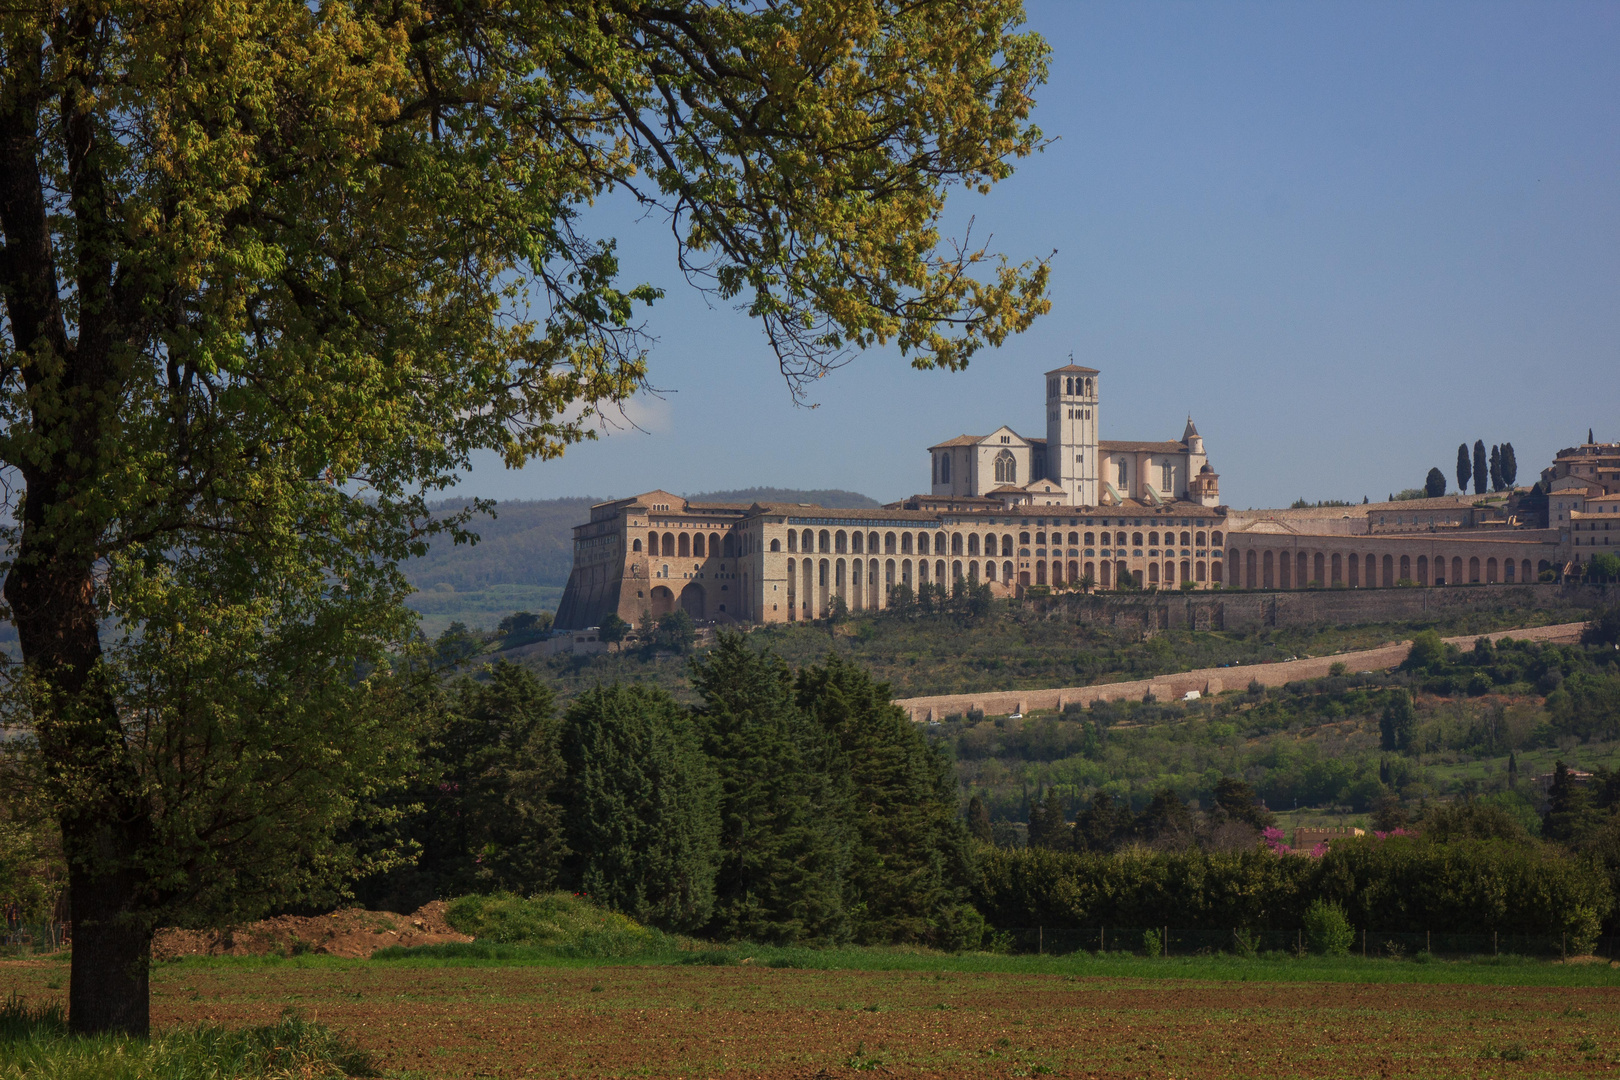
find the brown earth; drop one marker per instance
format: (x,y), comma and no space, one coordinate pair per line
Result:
(459,1023)
(350,932)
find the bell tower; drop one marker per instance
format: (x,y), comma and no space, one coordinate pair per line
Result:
(1071,432)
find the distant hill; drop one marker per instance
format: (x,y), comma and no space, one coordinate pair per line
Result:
(531,542)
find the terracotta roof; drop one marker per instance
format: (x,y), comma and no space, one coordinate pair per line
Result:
(960,440)
(1006,489)
(1141,447)
(1070,369)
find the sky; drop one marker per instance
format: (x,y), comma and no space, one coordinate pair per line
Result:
(1343,237)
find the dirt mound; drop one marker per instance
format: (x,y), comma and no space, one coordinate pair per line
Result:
(352,932)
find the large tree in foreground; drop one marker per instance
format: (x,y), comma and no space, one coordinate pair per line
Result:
(274,270)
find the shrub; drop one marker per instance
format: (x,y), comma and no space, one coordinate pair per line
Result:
(556,920)
(1152,943)
(1327,929)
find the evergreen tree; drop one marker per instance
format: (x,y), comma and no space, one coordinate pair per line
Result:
(642,816)
(1167,822)
(1481,475)
(1463,469)
(1513,769)
(911,865)
(480,814)
(1589,438)
(1103,825)
(1236,800)
(784,821)
(1434,485)
(1047,829)
(1398,722)
(978,821)
(1510,465)
(613,629)
(1496,469)
(1569,808)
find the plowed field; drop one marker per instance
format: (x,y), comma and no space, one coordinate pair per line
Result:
(693,1021)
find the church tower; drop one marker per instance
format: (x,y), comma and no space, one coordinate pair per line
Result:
(1071,432)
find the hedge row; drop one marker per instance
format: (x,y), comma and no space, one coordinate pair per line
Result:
(1399,884)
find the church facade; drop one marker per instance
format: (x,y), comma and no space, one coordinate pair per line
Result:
(1072,465)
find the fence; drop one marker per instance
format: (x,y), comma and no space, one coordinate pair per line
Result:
(1170,941)
(25,938)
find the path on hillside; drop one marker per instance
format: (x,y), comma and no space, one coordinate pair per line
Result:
(1204,680)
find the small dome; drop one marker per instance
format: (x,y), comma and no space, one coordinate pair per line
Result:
(1206,469)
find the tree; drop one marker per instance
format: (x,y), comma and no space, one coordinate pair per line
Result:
(674,631)
(525,624)
(910,865)
(480,811)
(902,601)
(1398,722)
(1604,628)
(1103,825)
(1047,828)
(613,629)
(642,811)
(274,273)
(978,821)
(1569,808)
(1589,438)
(1434,485)
(1510,465)
(1464,470)
(1603,567)
(785,836)
(1236,800)
(1497,483)
(1481,477)
(1167,822)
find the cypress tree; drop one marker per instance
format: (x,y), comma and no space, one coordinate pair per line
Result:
(911,866)
(1463,469)
(1047,829)
(978,821)
(1399,721)
(784,820)
(1568,807)
(1481,476)
(1103,825)
(1434,485)
(1510,465)
(642,816)
(1496,469)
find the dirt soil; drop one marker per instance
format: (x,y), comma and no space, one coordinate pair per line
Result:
(350,932)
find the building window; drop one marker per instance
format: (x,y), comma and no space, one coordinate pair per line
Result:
(1122,474)
(1169,478)
(1006,468)
(944,468)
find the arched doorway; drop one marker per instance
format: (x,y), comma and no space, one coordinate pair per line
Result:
(692,600)
(663,601)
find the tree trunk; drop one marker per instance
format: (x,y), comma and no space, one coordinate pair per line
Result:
(108,989)
(105,822)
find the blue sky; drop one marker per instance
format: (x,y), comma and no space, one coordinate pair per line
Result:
(1344,237)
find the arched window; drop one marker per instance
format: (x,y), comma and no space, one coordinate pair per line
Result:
(1202,540)
(1006,468)
(1068,385)
(807,542)
(652,543)
(956,545)
(922,543)
(635,545)
(1169,483)
(776,545)
(1089,384)
(841,542)
(1185,539)
(888,543)
(684,546)
(1074,539)
(944,468)
(939,543)
(1136,539)
(1007,544)
(857,543)
(1215,538)
(973,544)
(826,540)
(989,571)
(1122,476)
(1153,539)
(1091,539)
(1040,538)
(697,545)
(793,540)
(669,544)
(905,543)
(1023,538)
(728,548)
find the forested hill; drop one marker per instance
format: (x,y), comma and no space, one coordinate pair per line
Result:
(529,542)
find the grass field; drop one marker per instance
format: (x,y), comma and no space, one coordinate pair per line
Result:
(532,1014)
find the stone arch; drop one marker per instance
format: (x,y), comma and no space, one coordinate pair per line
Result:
(1490,571)
(1302,573)
(1107,579)
(776,545)
(1526,575)
(1285,570)
(730,549)
(1201,570)
(1153,539)
(669,545)
(939,571)
(663,601)
(973,572)
(1473,569)
(1456,570)
(857,543)
(1074,570)
(635,545)
(1136,539)
(889,543)
(990,570)
(826,541)
(1215,538)
(1267,578)
(692,600)
(973,544)
(956,570)
(1423,570)
(698,546)
(1186,570)
(1186,539)
(922,544)
(1249,577)
(1319,568)
(1153,573)
(1057,573)
(1389,571)
(905,544)
(956,543)
(807,541)
(683,546)
(1215,572)
(1006,572)
(1023,578)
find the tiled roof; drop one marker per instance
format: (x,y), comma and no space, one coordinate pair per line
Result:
(1141,447)
(960,440)
(1074,369)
